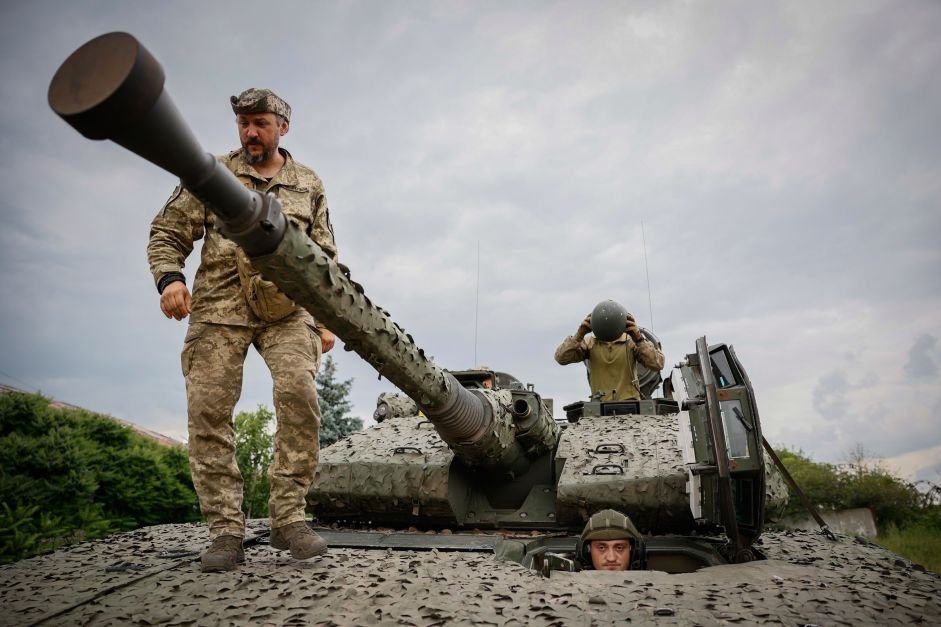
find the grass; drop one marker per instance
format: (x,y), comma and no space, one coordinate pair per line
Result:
(920,543)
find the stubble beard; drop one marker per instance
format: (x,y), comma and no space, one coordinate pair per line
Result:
(255,159)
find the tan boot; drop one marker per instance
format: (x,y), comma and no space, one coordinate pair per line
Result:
(301,539)
(223,554)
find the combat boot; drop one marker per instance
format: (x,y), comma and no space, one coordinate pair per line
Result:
(301,539)
(223,554)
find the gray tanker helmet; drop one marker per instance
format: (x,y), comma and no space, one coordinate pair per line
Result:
(608,320)
(254,100)
(609,524)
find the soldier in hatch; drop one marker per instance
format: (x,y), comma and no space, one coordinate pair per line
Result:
(611,353)
(232,307)
(610,541)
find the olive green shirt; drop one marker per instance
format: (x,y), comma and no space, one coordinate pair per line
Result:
(218,296)
(611,365)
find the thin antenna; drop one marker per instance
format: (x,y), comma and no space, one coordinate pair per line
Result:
(476,304)
(643,235)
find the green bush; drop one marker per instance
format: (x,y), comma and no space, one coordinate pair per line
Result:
(894,502)
(68,474)
(818,481)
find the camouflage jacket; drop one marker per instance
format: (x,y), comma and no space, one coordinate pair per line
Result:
(611,364)
(218,296)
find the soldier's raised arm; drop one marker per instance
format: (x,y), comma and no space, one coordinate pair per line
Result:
(574,348)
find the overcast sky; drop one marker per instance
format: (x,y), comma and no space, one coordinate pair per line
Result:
(781,160)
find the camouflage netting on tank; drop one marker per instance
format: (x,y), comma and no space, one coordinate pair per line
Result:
(399,465)
(313,280)
(776,490)
(491,450)
(394,405)
(629,463)
(151,577)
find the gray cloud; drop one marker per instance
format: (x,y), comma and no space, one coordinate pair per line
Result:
(830,396)
(779,156)
(923,358)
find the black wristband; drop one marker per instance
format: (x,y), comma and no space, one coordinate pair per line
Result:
(168,278)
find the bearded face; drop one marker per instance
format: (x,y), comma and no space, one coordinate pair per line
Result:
(259,134)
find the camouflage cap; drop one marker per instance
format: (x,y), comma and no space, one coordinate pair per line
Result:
(609,524)
(254,100)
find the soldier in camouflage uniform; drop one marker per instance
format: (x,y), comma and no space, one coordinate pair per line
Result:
(226,317)
(611,365)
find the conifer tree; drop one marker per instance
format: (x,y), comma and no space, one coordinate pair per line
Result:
(333,394)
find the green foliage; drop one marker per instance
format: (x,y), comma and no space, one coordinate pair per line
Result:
(254,451)
(333,395)
(930,518)
(68,474)
(893,501)
(919,542)
(817,480)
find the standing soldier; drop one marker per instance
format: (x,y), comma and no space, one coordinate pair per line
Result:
(612,353)
(231,308)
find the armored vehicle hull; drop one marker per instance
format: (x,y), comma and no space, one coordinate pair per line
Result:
(151,576)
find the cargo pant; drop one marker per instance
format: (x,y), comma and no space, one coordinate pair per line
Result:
(212,359)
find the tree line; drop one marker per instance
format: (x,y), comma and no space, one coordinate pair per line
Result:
(862,482)
(68,474)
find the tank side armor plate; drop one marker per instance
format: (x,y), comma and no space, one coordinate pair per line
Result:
(396,469)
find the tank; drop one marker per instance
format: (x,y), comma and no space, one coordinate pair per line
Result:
(471,456)
(464,502)
(689,464)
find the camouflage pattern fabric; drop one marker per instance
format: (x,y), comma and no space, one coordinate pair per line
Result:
(151,576)
(218,296)
(611,364)
(254,100)
(222,326)
(212,360)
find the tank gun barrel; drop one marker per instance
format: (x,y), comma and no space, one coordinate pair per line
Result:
(113,88)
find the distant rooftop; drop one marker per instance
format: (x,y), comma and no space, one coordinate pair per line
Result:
(159,438)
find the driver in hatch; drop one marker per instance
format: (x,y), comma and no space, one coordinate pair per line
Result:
(610,541)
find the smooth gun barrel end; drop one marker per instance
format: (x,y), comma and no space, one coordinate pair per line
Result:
(113,88)
(106,85)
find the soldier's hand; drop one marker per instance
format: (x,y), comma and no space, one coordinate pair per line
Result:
(632,329)
(175,302)
(327,340)
(584,328)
